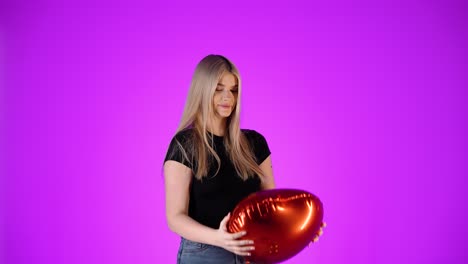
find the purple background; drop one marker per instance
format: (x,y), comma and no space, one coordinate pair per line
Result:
(363,104)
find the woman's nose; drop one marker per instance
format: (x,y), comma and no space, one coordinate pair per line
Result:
(227,95)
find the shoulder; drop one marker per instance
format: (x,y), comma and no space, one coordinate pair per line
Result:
(258,144)
(253,135)
(182,139)
(180,146)
(184,135)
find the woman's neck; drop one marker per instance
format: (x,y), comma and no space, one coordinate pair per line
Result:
(217,127)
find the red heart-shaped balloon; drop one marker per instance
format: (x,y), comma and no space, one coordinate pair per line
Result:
(281,222)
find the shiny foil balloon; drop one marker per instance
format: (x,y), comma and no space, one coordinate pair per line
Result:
(281,222)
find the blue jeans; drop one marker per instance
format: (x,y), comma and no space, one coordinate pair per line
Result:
(198,253)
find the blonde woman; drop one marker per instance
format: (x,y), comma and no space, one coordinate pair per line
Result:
(211,165)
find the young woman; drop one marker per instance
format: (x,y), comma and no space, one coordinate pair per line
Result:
(211,165)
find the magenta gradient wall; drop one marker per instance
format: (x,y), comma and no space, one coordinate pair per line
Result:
(362,103)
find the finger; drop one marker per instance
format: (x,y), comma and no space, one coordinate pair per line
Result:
(241,253)
(238,235)
(316,238)
(320,232)
(244,249)
(239,243)
(223,223)
(244,242)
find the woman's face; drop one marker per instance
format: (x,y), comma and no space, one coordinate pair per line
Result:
(225,96)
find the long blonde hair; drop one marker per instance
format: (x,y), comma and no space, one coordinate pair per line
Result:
(197,111)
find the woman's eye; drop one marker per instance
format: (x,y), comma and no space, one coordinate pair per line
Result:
(221,89)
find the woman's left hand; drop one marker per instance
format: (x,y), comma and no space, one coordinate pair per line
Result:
(320,232)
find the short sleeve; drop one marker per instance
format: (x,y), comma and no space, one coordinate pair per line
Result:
(259,145)
(176,150)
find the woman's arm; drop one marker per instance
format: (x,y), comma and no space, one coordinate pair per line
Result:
(268,182)
(177,187)
(177,183)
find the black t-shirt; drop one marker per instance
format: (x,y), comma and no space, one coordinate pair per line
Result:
(213,197)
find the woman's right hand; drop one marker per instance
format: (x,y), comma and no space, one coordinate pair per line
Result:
(230,242)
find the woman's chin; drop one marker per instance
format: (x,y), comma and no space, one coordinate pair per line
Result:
(224,114)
